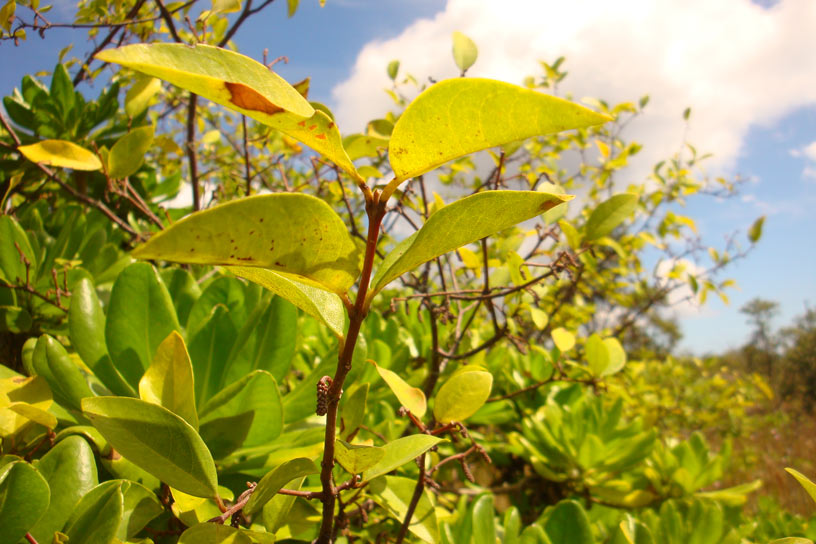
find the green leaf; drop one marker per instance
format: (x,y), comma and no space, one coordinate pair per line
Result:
(276,511)
(86,323)
(240,83)
(140,507)
(24,497)
(53,363)
(61,153)
(464,52)
(226,6)
(273,481)
(608,215)
(17,391)
(12,267)
(457,117)
(156,440)
(319,303)
(809,486)
(353,409)
(616,356)
(357,458)
(140,94)
(209,350)
(291,7)
(247,413)
(127,154)
(213,533)
(297,235)
(14,319)
(484,528)
(410,397)
(401,451)
(568,522)
(184,291)
(460,223)
(731,496)
(462,394)
(97,517)
(564,340)
(755,232)
(393,69)
(168,381)
(140,316)
(70,470)
(596,354)
(266,342)
(396,495)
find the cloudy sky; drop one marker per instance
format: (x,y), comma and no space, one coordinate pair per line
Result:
(747,70)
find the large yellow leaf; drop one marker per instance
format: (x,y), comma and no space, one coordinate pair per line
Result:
(61,153)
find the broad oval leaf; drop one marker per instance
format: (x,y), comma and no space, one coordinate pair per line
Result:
(462,395)
(319,303)
(273,481)
(97,516)
(596,354)
(356,458)
(568,522)
(460,223)
(127,154)
(138,97)
(616,354)
(52,362)
(70,470)
(156,440)
(140,316)
(457,117)
(608,215)
(411,397)
(564,340)
(464,51)
(18,391)
(296,235)
(396,496)
(169,382)
(399,452)
(61,153)
(247,413)
(24,497)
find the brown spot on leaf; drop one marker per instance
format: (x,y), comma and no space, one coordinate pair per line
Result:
(232,256)
(302,124)
(278,263)
(251,232)
(312,127)
(331,126)
(192,250)
(261,220)
(321,136)
(249,99)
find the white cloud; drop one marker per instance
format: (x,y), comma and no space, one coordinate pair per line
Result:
(734,62)
(808,153)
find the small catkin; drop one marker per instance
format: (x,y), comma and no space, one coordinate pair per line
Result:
(323,395)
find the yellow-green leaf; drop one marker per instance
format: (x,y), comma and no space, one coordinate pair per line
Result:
(411,397)
(357,458)
(460,223)
(462,394)
(16,390)
(62,154)
(616,354)
(168,381)
(464,51)
(140,94)
(564,339)
(460,116)
(274,480)
(127,154)
(296,235)
(809,486)
(609,214)
(401,451)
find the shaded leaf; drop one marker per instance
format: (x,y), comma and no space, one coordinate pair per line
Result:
(96,518)
(755,232)
(396,495)
(273,481)
(138,97)
(568,522)
(127,154)
(156,440)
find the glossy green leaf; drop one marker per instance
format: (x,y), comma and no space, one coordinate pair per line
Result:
(399,452)
(168,381)
(410,397)
(61,153)
(140,316)
(70,470)
(183,289)
(156,440)
(460,223)
(266,342)
(396,495)
(608,215)
(138,97)
(616,356)
(127,154)
(86,323)
(462,394)
(240,83)
(24,498)
(53,363)
(96,518)
(273,481)
(564,340)
(140,507)
(319,303)
(568,522)
(457,117)
(246,413)
(209,351)
(484,528)
(464,52)
(226,291)
(357,458)
(809,486)
(296,235)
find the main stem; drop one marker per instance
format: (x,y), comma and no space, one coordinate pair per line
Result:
(375,210)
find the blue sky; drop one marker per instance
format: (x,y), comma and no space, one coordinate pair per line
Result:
(746,69)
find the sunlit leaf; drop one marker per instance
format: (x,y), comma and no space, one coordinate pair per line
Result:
(411,397)
(809,486)
(357,458)
(24,498)
(608,215)
(127,154)
(140,94)
(61,153)
(462,394)
(168,381)
(564,340)
(401,451)
(464,51)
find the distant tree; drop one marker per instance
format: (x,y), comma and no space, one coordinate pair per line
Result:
(799,358)
(760,352)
